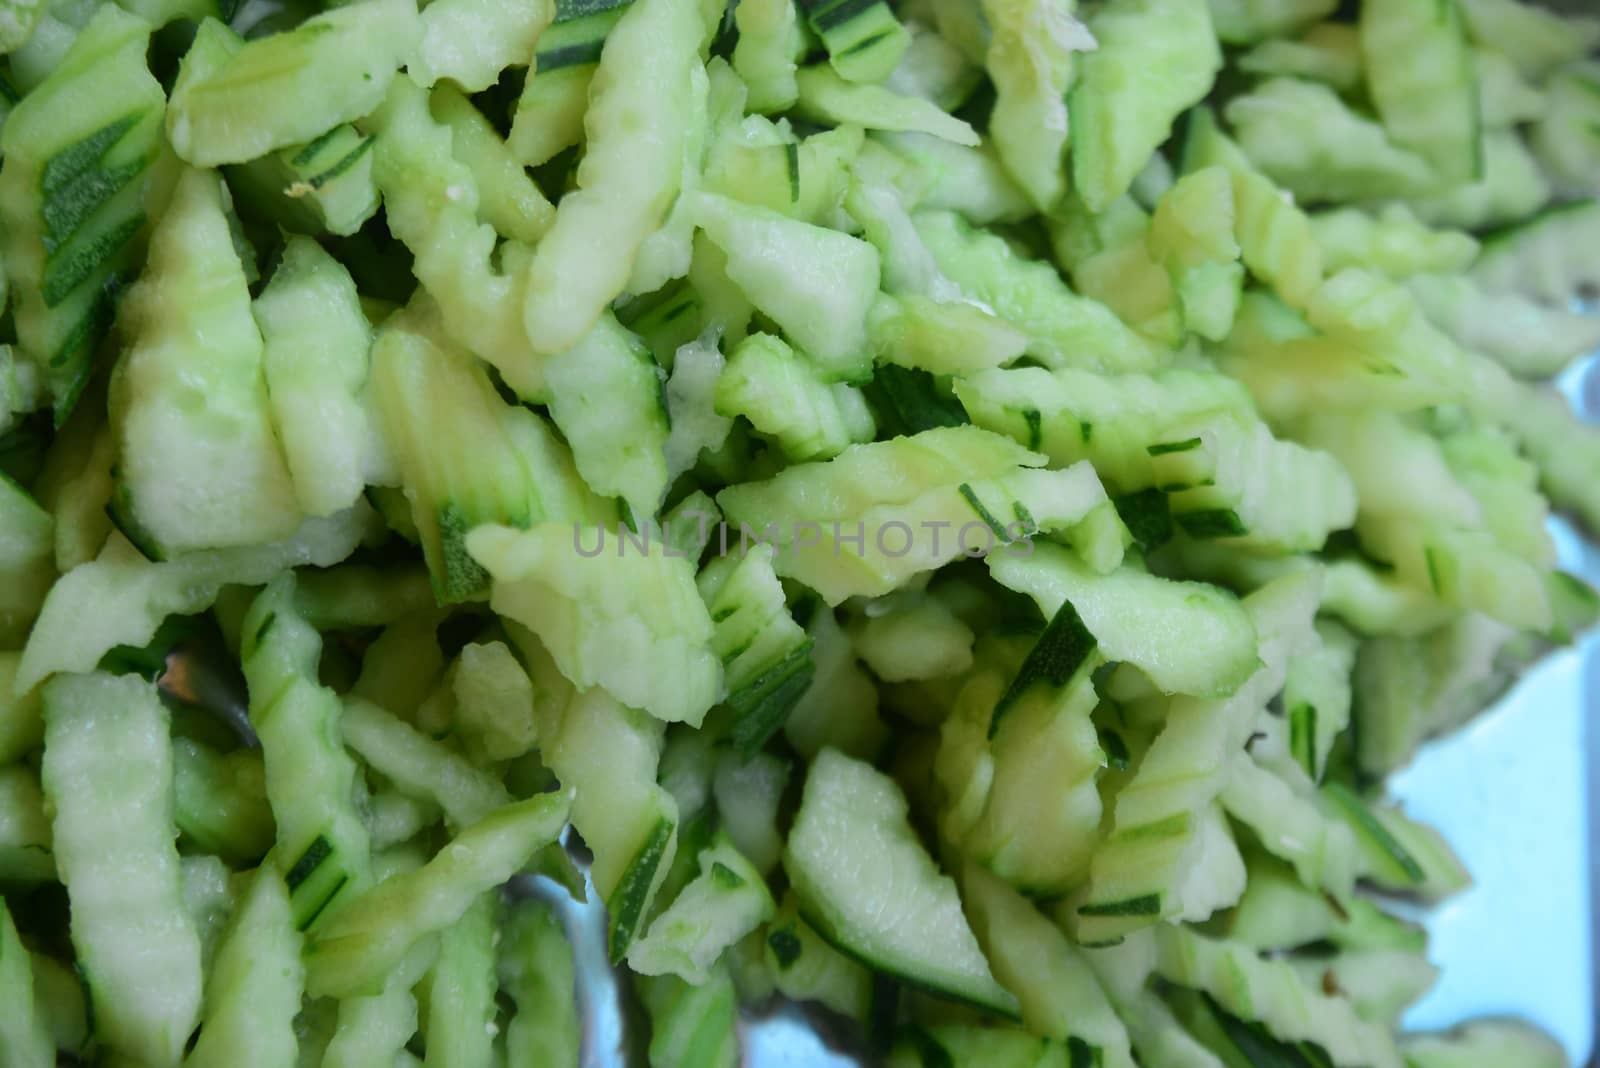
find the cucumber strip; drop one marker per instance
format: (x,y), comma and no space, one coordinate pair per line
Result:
(1249,21)
(1000,747)
(804,967)
(1290,826)
(748,793)
(865,41)
(1270,991)
(27,563)
(715,100)
(1126,278)
(253,989)
(220,801)
(1327,52)
(120,598)
(1031,62)
(1146,869)
(840,707)
(374,1030)
(508,199)
(315,362)
(322,847)
(606,397)
(1398,853)
(920,638)
(25,852)
(609,754)
(785,396)
(692,1026)
(587,608)
(191,419)
(726,901)
(1192,236)
(695,426)
(851,849)
(1144,620)
(1536,40)
(494,703)
(1543,257)
(496,462)
(638,117)
(325,184)
(914,520)
(24,1029)
(107,771)
(286,88)
(1421,76)
(1060,996)
(1563,446)
(404,665)
(83,160)
(420,767)
(1392,241)
(1245,487)
(1504,97)
(431,204)
(360,945)
(1486,1042)
(825,97)
(759,163)
(1317,696)
(1063,327)
(1382,984)
(816,284)
(1564,137)
(965,1043)
(770,41)
(766,655)
(919,333)
(1309,141)
(1511,189)
(461,988)
(21,721)
(1156,58)
(535,968)
(470,42)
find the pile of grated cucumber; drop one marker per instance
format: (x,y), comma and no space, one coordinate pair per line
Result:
(957,505)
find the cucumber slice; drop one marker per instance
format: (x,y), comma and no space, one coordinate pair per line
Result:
(83,159)
(868,886)
(191,416)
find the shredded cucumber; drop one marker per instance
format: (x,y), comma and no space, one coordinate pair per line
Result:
(945,510)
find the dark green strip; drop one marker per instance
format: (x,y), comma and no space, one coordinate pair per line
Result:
(1080,1054)
(1369,825)
(318,851)
(1187,445)
(1433,571)
(1171,827)
(791,159)
(865,43)
(913,400)
(69,163)
(60,279)
(344,164)
(1031,417)
(323,905)
(1149,905)
(1053,661)
(927,1048)
(983,513)
(1212,523)
(574,55)
(1085,430)
(1146,516)
(1303,736)
(828,17)
(69,207)
(762,705)
(626,904)
(1259,1048)
(307,155)
(725,876)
